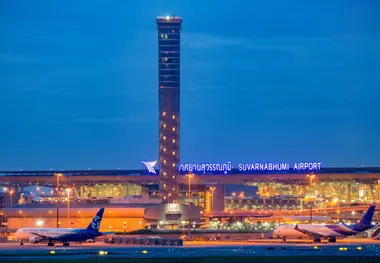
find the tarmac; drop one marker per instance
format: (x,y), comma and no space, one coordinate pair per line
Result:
(352,248)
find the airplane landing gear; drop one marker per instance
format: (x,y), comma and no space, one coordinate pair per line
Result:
(332,239)
(21,243)
(66,244)
(50,244)
(317,240)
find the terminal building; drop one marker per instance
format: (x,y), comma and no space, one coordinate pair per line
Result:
(133,196)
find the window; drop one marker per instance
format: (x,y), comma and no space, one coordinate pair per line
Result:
(174,217)
(171,66)
(171,78)
(172,47)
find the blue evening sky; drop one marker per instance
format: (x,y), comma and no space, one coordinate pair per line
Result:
(260,81)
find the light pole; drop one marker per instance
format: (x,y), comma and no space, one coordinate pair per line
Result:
(233,200)
(241,195)
(10,196)
(58,175)
(5,219)
(68,205)
(311,177)
(190,175)
(212,198)
(310,202)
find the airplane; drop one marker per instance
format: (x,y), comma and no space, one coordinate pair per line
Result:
(329,231)
(63,235)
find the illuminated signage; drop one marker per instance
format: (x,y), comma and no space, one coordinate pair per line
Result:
(209,167)
(278,166)
(150,166)
(226,167)
(173,209)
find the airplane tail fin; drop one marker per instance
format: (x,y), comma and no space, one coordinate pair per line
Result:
(95,223)
(366,220)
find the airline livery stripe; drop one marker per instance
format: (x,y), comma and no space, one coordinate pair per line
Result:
(341,230)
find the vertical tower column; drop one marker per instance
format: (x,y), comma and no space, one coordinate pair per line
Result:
(169,29)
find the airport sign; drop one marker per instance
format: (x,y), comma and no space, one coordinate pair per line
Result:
(250,167)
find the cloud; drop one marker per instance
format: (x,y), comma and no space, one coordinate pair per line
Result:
(126,119)
(17,59)
(204,88)
(297,113)
(194,40)
(289,44)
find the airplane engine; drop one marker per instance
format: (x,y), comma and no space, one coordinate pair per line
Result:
(33,240)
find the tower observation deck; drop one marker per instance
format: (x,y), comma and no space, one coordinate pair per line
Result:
(169,29)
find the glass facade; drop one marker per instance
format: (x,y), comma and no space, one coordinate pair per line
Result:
(169,104)
(109,190)
(333,196)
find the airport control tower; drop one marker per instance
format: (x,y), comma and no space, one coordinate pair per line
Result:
(169,30)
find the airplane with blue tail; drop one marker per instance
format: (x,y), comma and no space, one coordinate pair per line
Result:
(62,235)
(327,231)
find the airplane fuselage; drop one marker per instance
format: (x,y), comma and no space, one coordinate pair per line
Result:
(333,230)
(66,234)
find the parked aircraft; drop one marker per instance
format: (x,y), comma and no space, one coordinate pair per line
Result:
(327,231)
(62,235)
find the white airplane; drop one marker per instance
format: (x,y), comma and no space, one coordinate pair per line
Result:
(63,235)
(329,232)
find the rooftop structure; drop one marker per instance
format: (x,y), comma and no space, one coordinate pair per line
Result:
(168,17)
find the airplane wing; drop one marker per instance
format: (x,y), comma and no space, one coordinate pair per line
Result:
(309,233)
(42,237)
(107,233)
